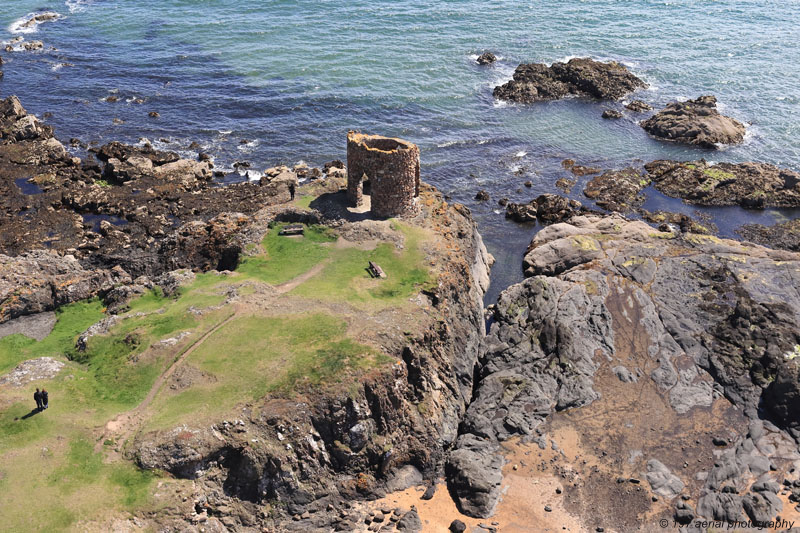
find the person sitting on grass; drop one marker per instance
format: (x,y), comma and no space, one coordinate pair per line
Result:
(38,397)
(44,399)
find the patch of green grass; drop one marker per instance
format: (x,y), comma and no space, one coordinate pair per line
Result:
(102,183)
(346,278)
(58,484)
(304,201)
(253,356)
(286,257)
(51,453)
(72,320)
(118,377)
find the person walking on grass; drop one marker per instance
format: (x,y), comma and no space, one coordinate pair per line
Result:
(38,397)
(44,399)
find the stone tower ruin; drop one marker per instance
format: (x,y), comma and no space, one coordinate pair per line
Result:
(392,167)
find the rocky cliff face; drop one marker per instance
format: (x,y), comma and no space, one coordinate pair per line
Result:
(387,431)
(617,320)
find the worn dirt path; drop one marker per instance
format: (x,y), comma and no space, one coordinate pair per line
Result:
(125,425)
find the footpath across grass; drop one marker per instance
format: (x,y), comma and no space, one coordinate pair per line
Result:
(345,277)
(55,454)
(253,356)
(286,257)
(51,477)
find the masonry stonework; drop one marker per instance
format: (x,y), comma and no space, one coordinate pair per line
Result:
(392,168)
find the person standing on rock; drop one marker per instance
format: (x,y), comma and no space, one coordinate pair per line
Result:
(291,191)
(38,397)
(44,399)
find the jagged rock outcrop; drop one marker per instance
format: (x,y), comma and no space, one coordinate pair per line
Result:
(784,235)
(486,58)
(124,163)
(42,280)
(534,82)
(202,246)
(638,106)
(750,185)
(695,122)
(618,190)
(548,208)
(699,323)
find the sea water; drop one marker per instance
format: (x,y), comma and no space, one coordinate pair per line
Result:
(279,82)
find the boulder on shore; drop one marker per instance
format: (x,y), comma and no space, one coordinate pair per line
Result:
(534,82)
(695,122)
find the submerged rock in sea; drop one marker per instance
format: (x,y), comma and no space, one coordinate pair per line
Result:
(750,185)
(486,58)
(534,82)
(638,106)
(695,122)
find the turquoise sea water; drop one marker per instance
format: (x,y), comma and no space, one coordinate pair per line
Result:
(292,77)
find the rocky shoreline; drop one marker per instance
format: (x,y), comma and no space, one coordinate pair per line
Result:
(616,318)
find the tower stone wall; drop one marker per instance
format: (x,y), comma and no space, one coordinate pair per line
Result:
(392,168)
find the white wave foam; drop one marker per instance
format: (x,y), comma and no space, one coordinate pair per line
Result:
(77,6)
(448,144)
(30,22)
(520,155)
(251,175)
(248,146)
(564,59)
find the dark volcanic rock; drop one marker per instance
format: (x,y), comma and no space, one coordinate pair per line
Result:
(785,235)
(638,106)
(750,185)
(612,114)
(457,526)
(683,222)
(533,82)
(474,475)
(42,280)
(486,58)
(410,522)
(706,316)
(122,152)
(548,208)
(695,122)
(618,190)
(17,125)
(482,196)
(206,245)
(578,170)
